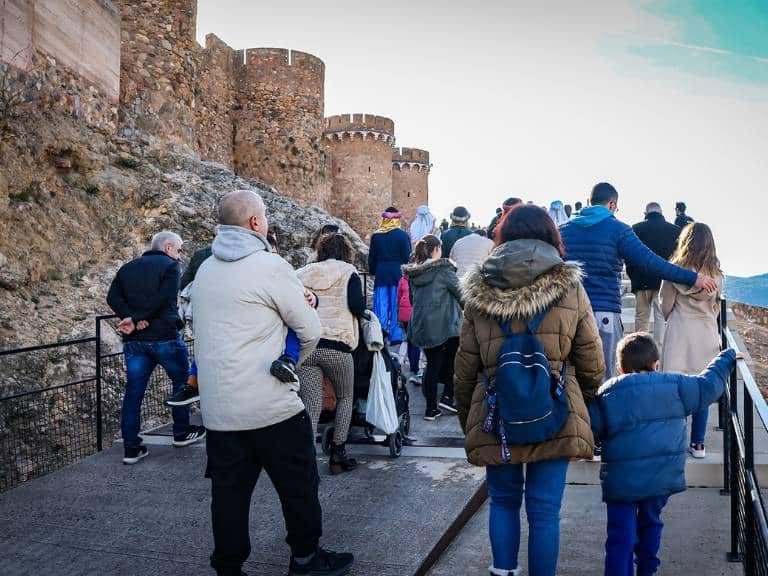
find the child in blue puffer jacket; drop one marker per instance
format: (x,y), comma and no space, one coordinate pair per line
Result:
(640,416)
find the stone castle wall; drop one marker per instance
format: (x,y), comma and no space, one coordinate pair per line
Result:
(158,70)
(134,67)
(215,100)
(410,181)
(278,122)
(361,151)
(64,56)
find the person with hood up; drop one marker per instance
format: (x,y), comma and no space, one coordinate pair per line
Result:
(436,320)
(557,213)
(524,276)
(458,229)
(244,300)
(423,224)
(509,203)
(602,243)
(390,249)
(340,303)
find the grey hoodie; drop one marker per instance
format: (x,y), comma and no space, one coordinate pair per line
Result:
(233,243)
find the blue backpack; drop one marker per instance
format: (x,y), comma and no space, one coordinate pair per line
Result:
(526,404)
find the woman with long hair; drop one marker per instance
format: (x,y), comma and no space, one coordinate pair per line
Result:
(340,302)
(691,339)
(521,279)
(436,320)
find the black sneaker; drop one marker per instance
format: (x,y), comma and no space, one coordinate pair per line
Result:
(433,414)
(284,369)
(324,563)
(597,455)
(183,396)
(195,434)
(447,404)
(133,455)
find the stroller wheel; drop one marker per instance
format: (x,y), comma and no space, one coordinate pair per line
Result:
(327,440)
(395,444)
(405,423)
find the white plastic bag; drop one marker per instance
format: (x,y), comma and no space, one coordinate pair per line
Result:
(381,411)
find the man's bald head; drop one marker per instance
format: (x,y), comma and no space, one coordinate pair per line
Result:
(241,208)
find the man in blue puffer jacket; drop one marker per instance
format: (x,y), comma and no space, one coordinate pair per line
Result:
(641,418)
(602,244)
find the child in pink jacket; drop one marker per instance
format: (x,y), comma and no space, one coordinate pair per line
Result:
(404,313)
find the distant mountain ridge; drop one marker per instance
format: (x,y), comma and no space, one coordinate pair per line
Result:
(752,290)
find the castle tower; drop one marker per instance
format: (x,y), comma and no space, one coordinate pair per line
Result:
(158,71)
(410,181)
(360,146)
(278,122)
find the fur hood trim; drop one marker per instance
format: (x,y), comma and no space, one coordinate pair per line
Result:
(525,302)
(413,270)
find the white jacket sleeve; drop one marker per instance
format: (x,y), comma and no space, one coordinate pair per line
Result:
(287,298)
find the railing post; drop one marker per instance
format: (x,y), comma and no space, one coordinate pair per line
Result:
(99,416)
(749,468)
(724,408)
(733,461)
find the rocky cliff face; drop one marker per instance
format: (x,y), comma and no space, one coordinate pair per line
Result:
(753,329)
(76,203)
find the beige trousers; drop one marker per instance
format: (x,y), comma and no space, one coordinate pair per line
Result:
(647,301)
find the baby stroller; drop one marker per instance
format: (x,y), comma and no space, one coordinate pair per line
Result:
(363,359)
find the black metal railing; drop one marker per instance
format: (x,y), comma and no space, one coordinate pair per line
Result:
(741,401)
(52,426)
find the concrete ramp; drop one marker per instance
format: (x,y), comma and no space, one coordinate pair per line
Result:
(101,517)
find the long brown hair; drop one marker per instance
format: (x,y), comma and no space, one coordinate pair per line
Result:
(424,248)
(696,250)
(529,222)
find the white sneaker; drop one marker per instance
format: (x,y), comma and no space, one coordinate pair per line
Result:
(697,451)
(496,572)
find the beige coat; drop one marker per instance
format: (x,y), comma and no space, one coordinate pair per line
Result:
(691,339)
(518,280)
(244,299)
(329,279)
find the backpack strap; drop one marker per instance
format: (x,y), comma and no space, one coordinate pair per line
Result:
(535,322)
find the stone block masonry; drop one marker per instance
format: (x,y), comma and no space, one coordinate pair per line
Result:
(64,55)
(278,122)
(360,146)
(410,181)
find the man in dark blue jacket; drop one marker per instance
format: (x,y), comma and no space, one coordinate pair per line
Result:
(641,417)
(144,296)
(602,244)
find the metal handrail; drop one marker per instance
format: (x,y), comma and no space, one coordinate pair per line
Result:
(750,385)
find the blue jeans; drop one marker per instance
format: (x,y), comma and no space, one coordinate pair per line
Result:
(699,426)
(634,531)
(141,357)
(543,484)
(385,308)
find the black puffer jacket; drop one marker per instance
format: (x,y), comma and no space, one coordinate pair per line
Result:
(147,289)
(661,237)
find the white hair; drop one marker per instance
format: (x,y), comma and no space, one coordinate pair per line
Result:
(160,239)
(653,208)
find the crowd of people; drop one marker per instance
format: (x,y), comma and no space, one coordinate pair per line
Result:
(482,317)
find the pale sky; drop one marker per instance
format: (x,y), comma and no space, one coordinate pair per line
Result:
(543,98)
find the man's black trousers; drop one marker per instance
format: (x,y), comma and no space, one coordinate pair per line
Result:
(235,459)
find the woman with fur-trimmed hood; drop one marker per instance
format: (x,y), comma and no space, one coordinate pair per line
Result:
(436,320)
(523,276)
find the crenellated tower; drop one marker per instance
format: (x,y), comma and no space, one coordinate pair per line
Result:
(278,122)
(158,72)
(360,146)
(410,181)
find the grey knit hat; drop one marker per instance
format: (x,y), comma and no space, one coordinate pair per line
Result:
(460,214)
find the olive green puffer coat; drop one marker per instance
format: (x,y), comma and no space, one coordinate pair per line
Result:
(518,280)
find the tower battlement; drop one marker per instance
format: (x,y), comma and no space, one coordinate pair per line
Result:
(411,159)
(363,125)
